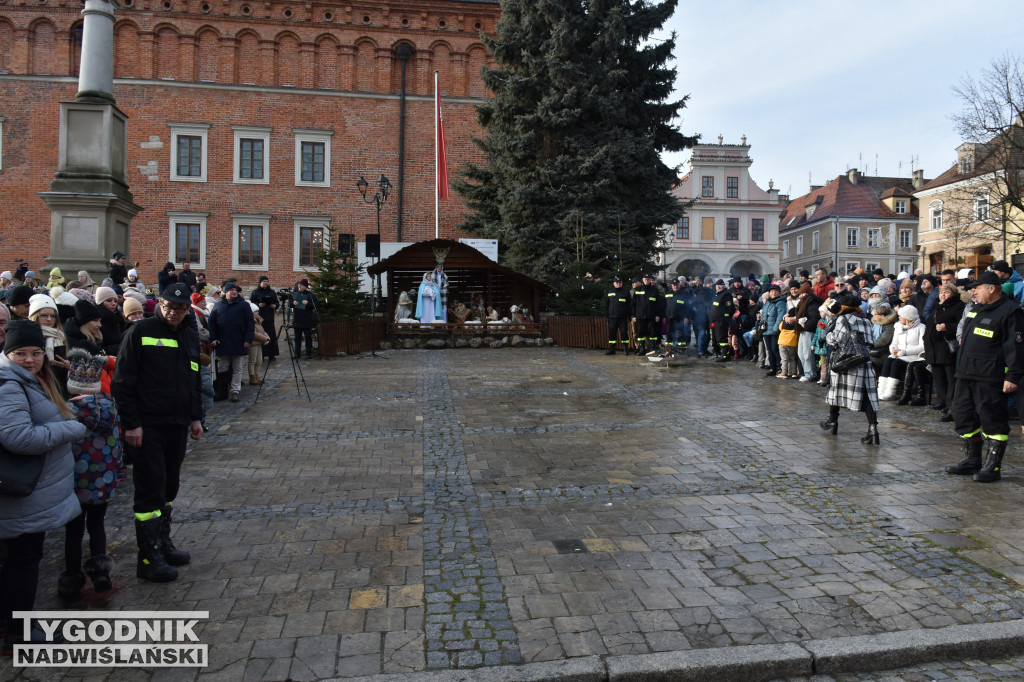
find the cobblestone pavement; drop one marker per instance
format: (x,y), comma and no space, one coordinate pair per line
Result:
(453,509)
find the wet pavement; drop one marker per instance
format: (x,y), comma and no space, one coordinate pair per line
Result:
(447,510)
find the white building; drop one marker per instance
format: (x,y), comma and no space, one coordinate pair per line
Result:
(732,228)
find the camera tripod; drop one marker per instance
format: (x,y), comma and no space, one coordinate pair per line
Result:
(296,367)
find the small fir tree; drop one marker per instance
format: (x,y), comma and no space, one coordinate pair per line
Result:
(336,281)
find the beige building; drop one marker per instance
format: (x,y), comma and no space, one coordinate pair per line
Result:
(855,221)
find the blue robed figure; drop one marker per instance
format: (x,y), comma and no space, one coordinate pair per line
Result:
(428,300)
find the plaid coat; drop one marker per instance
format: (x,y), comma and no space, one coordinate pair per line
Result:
(847,390)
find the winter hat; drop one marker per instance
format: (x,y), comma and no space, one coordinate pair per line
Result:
(40,302)
(56,277)
(107,282)
(85,373)
(104,294)
(212,291)
(909,312)
(30,274)
(877,291)
(85,312)
(6,274)
(805,288)
(131,306)
(19,295)
(22,333)
(82,294)
(197,299)
(264,278)
(901,276)
(231,285)
(304,282)
(255,308)
(135,295)
(67,299)
(133,273)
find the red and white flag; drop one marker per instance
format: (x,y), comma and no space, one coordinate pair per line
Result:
(442,161)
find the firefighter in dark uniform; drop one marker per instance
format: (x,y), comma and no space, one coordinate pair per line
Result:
(157,388)
(647,313)
(617,309)
(990,365)
(720,316)
(676,314)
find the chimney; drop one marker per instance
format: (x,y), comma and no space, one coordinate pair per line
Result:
(918,179)
(814,188)
(783,199)
(853,176)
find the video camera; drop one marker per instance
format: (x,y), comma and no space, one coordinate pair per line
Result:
(284,294)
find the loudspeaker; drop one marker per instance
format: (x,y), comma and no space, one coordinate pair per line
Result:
(346,243)
(373,246)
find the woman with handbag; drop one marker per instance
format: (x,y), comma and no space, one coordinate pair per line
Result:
(37,424)
(855,388)
(940,345)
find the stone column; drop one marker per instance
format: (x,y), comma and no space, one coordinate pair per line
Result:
(96,74)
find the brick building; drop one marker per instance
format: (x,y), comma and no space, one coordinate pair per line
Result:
(249,123)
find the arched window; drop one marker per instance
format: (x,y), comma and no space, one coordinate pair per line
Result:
(935,212)
(981,211)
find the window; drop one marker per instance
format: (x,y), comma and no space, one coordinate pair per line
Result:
(901,205)
(800,246)
(2,119)
(757,230)
(981,207)
(707,186)
(905,237)
(252,155)
(852,265)
(188,151)
(852,237)
(935,209)
(905,266)
(732,229)
(785,249)
(874,237)
(809,211)
(966,163)
(187,238)
(250,240)
(732,188)
(683,228)
(312,157)
(870,267)
(309,239)
(815,242)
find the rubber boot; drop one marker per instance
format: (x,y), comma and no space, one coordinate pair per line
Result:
(69,585)
(923,379)
(832,423)
(610,351)
(641,348)
(173,555)
(971,462)
(989,472)
(98,570)
(151,563)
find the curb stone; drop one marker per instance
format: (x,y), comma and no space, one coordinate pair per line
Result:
(757,663)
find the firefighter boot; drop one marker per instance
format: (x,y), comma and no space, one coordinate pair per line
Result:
(989,472)
(173,555)
(151,563)
(971,462)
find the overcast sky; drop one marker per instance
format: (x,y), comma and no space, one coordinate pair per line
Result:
(816,84)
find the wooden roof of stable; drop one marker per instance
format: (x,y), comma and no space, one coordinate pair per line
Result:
(420,257)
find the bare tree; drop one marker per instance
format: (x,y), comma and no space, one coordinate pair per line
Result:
(992,117)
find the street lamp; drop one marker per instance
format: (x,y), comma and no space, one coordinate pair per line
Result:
(379,198)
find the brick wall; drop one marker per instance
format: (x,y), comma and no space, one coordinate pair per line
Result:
(246,64)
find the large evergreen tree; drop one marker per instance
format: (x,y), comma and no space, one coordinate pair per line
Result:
(580,114)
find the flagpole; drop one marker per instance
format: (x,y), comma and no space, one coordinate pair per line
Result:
(437,162)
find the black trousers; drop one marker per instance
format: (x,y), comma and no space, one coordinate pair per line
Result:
(944,383)
(299,333)
(647,330)
(980,405)
(92,518)
(618,327)
(771,343)
(19,578)
(720,332)
(157,469)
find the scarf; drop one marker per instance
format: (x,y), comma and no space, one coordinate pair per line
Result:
(54,337)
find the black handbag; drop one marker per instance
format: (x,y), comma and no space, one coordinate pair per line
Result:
(850,353)
(19,474)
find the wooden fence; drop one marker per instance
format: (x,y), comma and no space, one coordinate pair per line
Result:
(577,331)
(352,336)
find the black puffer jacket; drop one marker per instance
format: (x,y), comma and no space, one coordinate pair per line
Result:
(936,348)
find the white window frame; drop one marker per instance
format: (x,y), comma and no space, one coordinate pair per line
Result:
(255,220)
(981,205)
(176,217)
(935,215)
(2,119)
(815,242)
(251,133)
(906,267)
(876,234)
(199,130)
(310,135)
(871,267)
(815,268)
(900,205)
(301,222)
(910,238)
(800,245)
(850,266)
(785,249)
(855,233)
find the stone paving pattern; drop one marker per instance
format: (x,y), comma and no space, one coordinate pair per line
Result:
(454,509)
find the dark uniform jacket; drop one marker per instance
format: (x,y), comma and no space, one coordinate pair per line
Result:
(648,302)
(156,378)
(617,303)
(723,306)
(990,348)
(676,306)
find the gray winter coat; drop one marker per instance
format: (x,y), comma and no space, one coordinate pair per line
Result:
(32,425)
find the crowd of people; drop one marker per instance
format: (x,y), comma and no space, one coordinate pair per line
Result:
(104,380)
(951,342)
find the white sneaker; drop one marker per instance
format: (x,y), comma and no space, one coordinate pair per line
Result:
(804,379)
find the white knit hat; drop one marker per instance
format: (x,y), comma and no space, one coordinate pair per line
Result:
(40,302)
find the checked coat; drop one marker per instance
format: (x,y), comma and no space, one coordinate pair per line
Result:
(847,390)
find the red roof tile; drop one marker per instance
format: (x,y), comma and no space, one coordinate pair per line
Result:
(843,198)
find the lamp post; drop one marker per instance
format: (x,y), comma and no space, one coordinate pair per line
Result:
(379,198)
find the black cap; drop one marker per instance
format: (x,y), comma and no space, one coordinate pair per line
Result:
(648,276)
(637,280)
(987,277)
(264,278)
(85,312)
(19,295)
(720,283)
(1001,266)
(776,287)
(616,278)
(118,254)
(22,333)
(177,293)
(805,273)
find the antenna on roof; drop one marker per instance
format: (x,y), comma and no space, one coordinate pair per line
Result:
(899,170)
(876,164)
